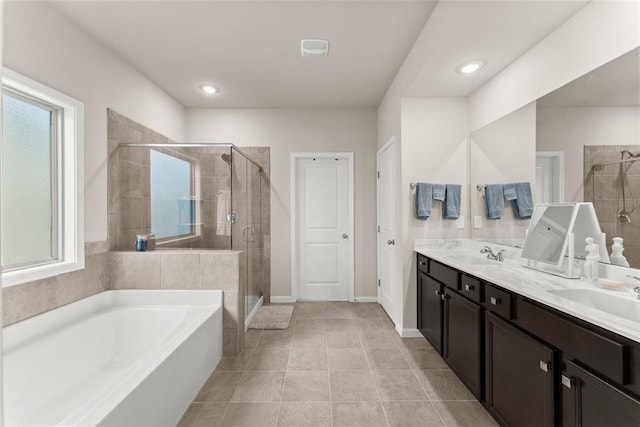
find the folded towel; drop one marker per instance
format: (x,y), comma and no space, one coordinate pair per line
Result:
(439,191)
(509,191)
(495,200)
(451,205)
(523,205)
(424,194)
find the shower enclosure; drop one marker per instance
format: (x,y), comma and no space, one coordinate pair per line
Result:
(195,196)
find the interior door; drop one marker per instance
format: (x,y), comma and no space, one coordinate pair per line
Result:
(322,187)
(386,227)
(548,188)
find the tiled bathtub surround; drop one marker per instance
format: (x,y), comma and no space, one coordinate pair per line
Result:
(187,269)
(29,299)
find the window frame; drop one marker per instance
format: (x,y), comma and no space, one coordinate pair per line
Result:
(68,197)
(194,171)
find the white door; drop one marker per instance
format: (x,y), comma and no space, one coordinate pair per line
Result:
(386,226)
(549,186)
(323,227)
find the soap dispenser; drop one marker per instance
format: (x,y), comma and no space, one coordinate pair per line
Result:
(616,253)
(591,263)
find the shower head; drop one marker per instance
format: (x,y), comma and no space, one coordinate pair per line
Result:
(226,158)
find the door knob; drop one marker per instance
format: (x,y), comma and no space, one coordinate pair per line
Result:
(391,242)
(345,236)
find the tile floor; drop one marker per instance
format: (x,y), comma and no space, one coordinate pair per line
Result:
(338,364)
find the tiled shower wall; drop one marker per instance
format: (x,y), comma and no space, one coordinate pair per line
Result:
(602,187)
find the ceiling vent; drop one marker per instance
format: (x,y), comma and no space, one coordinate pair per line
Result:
(310,48)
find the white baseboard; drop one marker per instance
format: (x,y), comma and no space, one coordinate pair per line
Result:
(366,299)
(249,318)
(281,299)
(408,333)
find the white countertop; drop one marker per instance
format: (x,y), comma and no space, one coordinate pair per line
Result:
(511,274)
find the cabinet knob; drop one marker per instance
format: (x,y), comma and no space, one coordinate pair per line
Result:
(494,301)
(545,366)
(567,381)
(422,263)
(468,288)
(438,293)
(443,297)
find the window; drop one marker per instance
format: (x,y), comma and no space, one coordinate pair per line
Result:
(173,209)
(42,159)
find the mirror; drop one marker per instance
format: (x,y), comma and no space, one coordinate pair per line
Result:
(548,237)
(569,145)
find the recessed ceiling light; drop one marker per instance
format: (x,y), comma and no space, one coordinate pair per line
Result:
(209,89)
(470,66)
(314,48)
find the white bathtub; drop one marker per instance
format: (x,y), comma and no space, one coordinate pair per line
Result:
(123,358)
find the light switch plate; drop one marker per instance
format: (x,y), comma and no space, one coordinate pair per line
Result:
(477,221)
(460,223)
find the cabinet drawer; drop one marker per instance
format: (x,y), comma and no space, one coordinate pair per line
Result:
(423,264)
(592,349)
(444,274)
(498,301)
(470,287)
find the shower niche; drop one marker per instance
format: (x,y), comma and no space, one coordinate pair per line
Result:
(191,196)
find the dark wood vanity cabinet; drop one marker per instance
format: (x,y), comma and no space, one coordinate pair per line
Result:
(520,384)
(589,401)
(430,310)
(463,325)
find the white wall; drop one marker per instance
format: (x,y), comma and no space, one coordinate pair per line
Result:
(303,130)
(434,149)
(598,33)
(1,313)
(503,152)
(45,46)
(569,129)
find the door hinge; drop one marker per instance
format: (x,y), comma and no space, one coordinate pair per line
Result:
(378,229)
(378,282)
(378,174)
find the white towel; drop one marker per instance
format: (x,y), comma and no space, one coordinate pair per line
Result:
(223,209)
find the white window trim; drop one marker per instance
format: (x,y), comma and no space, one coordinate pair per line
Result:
(70,183)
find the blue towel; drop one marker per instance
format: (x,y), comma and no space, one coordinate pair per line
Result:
(451,205)
(523,205)
(495,200)
(424,194)
(509,191)
(439,191)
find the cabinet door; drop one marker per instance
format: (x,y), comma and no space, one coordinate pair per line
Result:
(430,310)
(588,401)
(519,378)
(463,340)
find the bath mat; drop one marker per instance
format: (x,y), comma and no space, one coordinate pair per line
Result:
(272,317)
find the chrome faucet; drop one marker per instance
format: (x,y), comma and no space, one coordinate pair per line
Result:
(491,255)
(637,288)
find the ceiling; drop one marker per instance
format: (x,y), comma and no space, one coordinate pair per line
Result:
(251,49)
(615,84)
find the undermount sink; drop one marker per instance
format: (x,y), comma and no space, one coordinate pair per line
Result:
(610,303)
(471,259)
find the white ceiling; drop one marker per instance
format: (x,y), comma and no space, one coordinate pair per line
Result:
(615,84)
(251,50)
(496,31)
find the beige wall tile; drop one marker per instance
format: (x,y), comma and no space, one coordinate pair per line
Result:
(28,299)
(219,270)
(230,305)
(142,270)
(180,271)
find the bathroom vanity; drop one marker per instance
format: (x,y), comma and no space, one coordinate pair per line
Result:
(535,349)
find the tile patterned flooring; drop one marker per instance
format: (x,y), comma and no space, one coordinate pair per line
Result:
(338,364)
